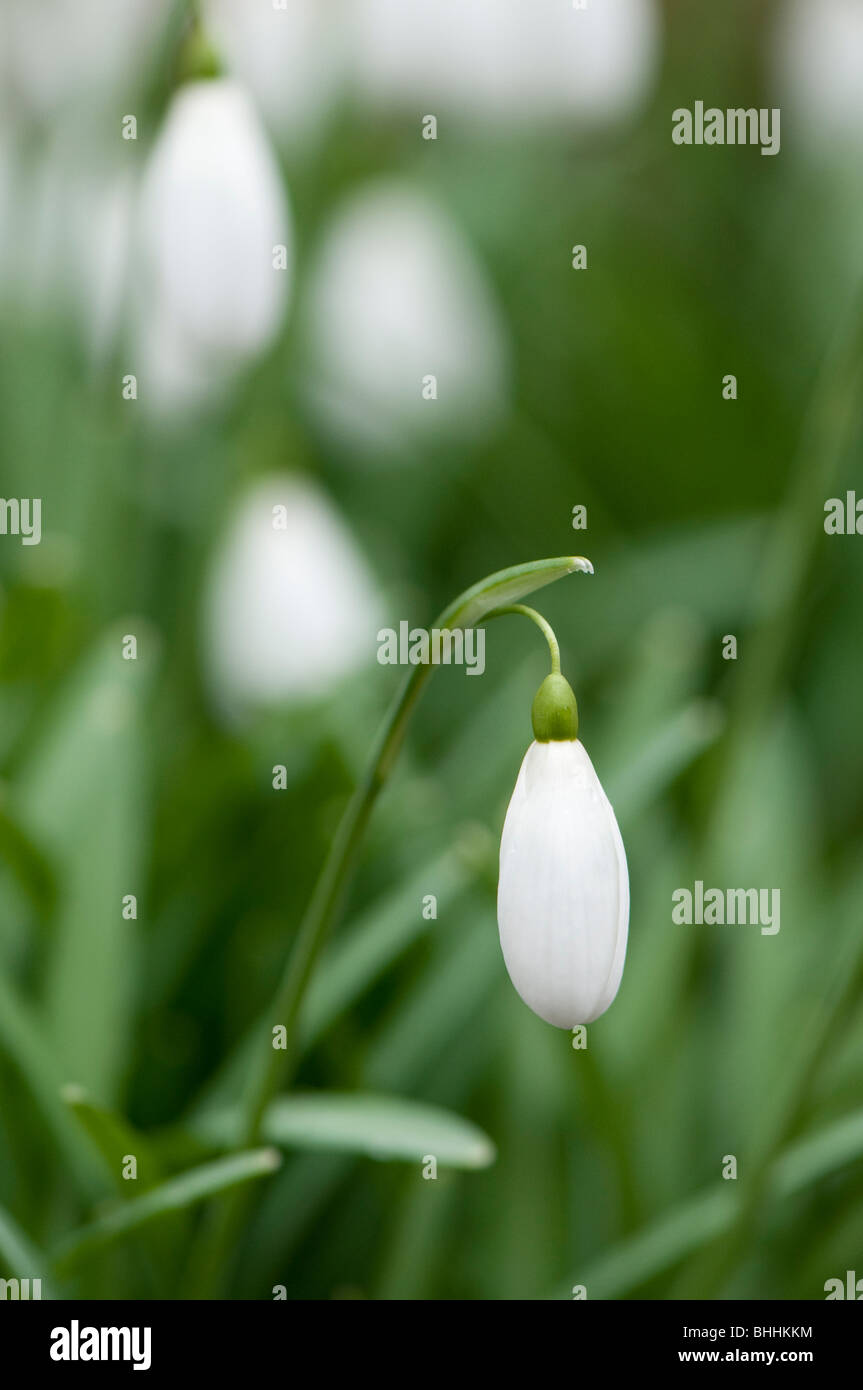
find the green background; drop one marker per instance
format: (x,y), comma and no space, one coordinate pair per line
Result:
(705,518)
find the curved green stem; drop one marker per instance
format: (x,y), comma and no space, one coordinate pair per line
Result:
(542,623)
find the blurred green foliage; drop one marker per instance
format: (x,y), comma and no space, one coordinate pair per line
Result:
(705,518)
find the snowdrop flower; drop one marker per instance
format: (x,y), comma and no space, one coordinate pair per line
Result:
(81,55)
(212,212)
(291,606)
(290,56)
(819,57)
(510,60)
(563,892)
(404,333)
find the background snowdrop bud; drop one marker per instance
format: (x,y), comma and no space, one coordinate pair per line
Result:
(212,210)
(819,57)
(291,58)
(291,606)
(563,891)
(397,296)
(81,55)
(507,60)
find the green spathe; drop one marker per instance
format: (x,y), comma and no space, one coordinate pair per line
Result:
(554,713)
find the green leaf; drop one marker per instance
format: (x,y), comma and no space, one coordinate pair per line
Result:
(31,867)
(113,1139)
(382,1127)
(19,1256)
(83,798)
(819,1154)
(664,755)
(175,1195)
(439,1008)
(363,953)
(690,1225)
(508,586)
(22,1040)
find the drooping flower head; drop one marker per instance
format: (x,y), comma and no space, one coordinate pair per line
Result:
(563,891)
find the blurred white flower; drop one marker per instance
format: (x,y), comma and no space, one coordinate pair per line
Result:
(66,221)
(395,298)
(291,59)
(77,54)
(819,61)
(506,59)
(563,892)
(213,209)
(291,606)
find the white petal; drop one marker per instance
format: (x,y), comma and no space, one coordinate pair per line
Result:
(563,893)
(213,208)
(288,611)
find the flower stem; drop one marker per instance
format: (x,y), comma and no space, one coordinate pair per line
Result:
(542,623)
(273,1065)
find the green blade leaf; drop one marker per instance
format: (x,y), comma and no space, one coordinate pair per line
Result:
(20,1258)
(368,947)
(664,1243)
(113,1139)
(82,797)
(25,858)
(175,1195)
(508,586)
(382,1127)
(666,752)
(365,951)
(22,1041)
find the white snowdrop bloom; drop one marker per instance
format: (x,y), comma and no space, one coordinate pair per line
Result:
(291,606)
(403,330)
(212,211)
(507,60)
(290,58)
(563,891)
(77,53)
(819,69)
